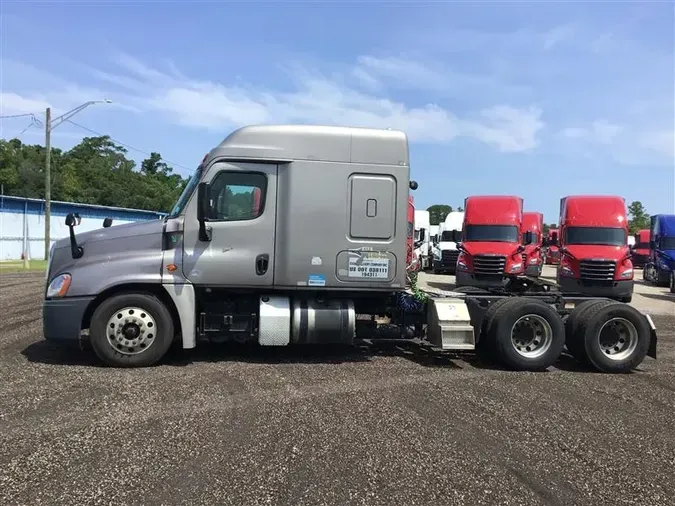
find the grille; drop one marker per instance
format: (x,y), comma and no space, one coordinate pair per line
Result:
(597,269)
(489,265)
(449,257)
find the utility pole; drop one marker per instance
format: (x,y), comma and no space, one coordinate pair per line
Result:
(49,126)
(48,183)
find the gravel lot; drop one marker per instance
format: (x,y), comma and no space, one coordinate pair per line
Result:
(387,425)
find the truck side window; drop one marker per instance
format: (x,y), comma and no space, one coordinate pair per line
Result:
(237,196)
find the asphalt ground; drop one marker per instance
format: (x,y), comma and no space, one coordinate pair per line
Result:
(382,425)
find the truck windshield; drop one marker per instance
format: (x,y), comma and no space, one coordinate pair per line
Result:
(187,192)
(667,243)
(491,233)
(446,236)
(596,235)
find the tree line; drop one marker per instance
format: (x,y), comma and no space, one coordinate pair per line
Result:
(96,171)
(638,219)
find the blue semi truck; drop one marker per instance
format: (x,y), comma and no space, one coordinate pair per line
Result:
(660,266)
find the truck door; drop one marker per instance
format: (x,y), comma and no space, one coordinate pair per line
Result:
(242,218)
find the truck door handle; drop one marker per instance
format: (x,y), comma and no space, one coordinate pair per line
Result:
(262,262)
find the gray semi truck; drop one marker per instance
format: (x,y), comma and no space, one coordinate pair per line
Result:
(246,256)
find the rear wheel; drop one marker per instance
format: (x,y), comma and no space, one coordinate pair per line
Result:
(528,334)
(131,330)
(573,343)
(613,337)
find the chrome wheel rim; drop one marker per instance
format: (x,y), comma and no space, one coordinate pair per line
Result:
(618,339)
(531,336)
(131,330)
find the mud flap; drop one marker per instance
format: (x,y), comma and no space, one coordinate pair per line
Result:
(653,339)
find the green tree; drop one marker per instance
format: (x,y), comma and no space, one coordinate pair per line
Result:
(96,171)
(638,219)
(437,213)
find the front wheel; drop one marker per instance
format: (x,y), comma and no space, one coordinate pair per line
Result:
(131,330)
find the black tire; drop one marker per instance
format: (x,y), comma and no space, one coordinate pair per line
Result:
(574,344)
(672,281)
(500,329)
(588,336)
(485,347)
(161,338)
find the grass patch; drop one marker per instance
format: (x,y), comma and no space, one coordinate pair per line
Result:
(17,266)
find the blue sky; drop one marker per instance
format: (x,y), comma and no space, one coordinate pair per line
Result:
(540,100)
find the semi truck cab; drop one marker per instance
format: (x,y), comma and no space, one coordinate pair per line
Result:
(422,239)
(446,251)
(660,266)
(533,254)
(640,250)
(594,254)
(491,246)
(551,251)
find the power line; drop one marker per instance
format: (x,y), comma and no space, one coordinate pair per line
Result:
(127,145)
(27,114)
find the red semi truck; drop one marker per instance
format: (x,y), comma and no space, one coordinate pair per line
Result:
(552,252)
(491,248)
(533,256)
(594,254)
(641,250)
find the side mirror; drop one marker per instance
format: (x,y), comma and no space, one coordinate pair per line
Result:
(520,248)
(203,204)
(72,220)
(554,238)
(423,235)
(107,222)
(413,185)
(528,238)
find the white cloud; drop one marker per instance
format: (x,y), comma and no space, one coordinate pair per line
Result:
(318,99)
(660,141)
(626,144)
(599,131)
(557,35)
(13,103)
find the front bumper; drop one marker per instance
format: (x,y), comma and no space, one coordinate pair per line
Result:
(62,318)
(441,266)
(464,278)
(597,289)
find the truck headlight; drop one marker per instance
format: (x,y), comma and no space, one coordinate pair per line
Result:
(627,274)
(59,286)
(461,266)
(516,267)
(534,260)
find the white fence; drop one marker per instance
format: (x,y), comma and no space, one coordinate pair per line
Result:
(22,224)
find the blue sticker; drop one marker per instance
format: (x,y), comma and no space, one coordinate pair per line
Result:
(316,280)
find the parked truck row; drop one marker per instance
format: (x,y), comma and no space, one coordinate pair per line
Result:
(245,256)
(595,255)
